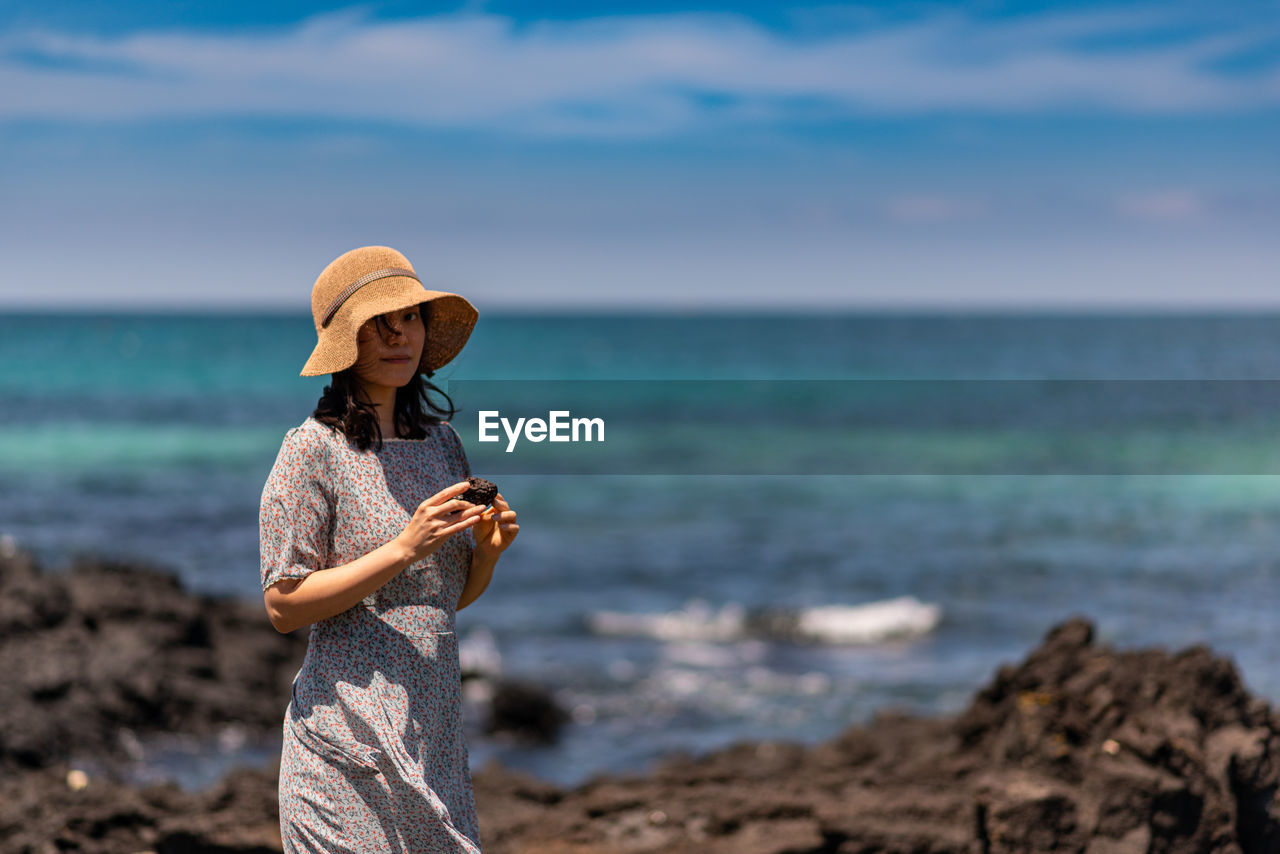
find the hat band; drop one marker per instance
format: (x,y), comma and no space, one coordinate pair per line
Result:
(360,283)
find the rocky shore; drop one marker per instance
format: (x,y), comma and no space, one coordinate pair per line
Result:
(101,652)
(1078,748)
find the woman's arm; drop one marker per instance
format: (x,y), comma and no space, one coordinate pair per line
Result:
(478,578)
(293,603)
(493,533)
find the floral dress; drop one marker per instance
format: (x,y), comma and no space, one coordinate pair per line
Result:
(374,758)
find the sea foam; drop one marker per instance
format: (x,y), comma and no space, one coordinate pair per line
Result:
(872,622)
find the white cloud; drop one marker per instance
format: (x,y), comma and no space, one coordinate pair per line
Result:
(625,75)
(933,208)
(1161,206)
(786,272)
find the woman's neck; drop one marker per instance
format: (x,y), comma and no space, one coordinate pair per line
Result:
(383,399)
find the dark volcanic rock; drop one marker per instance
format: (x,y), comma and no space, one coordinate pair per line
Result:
(1080,749)
(40,812)
(528,712)
(481,491)
(106,647)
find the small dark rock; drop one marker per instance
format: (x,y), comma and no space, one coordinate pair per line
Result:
(525,710)
(481,492)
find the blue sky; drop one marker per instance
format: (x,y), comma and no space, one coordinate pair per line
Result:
(718,155)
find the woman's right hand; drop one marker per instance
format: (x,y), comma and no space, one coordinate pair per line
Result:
(436,520)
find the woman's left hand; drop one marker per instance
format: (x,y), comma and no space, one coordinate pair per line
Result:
(496,529)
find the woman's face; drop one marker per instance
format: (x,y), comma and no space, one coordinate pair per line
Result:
(390,348)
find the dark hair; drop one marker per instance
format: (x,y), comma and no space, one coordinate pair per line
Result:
(342,408)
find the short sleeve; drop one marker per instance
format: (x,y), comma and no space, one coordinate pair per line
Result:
(295,516)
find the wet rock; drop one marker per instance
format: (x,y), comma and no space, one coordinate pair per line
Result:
(1079,748)
(105,647)
(526,711)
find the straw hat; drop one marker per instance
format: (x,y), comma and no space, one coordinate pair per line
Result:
(372,280)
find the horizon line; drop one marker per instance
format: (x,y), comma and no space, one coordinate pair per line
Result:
(675,309)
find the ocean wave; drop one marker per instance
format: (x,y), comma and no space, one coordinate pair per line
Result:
(872,622)
(478,654)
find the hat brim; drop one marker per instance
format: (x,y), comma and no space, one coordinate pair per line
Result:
(450,320)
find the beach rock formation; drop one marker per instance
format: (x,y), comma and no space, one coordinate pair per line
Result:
(1079,748)
(48,810)
(103,651)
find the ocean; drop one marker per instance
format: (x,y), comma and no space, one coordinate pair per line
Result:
(727,573)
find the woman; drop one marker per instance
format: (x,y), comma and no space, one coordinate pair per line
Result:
(365,539)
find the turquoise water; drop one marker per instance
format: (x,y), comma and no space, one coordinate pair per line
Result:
(634,595)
